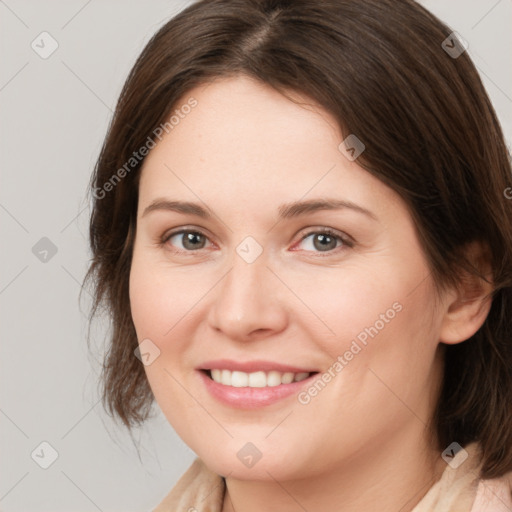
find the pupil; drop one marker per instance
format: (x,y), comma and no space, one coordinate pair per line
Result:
(324,238)
(191,238)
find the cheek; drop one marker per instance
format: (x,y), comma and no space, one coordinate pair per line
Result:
(162,306)
(167,306)
(377,319)
(161,297)
(356,303)
(380,357)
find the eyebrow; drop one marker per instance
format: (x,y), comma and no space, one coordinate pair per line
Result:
(286,211)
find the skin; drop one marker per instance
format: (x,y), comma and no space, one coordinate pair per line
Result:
(362,442)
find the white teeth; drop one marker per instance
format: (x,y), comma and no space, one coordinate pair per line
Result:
(225,378)
(273,378)
(239,379)
(301,376)
(256,379)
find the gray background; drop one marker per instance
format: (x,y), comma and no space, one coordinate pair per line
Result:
(55,113)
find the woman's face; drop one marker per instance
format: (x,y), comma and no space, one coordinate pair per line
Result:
(247,283)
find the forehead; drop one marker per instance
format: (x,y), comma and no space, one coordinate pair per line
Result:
(245,142)
(239,117)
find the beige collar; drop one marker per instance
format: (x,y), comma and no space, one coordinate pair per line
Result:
(458,490)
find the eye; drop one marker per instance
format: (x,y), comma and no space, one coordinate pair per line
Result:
(321,240)
(325,240)
(190,240)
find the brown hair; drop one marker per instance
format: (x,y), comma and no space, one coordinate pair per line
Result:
(431,134)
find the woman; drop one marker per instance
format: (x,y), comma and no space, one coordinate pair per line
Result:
(301,229)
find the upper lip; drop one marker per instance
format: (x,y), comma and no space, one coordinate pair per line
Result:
(252,366)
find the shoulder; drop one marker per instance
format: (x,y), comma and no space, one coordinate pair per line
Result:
(460,489)
(198,490)
(494,495)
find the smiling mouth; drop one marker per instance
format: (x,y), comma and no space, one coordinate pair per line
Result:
(258,379)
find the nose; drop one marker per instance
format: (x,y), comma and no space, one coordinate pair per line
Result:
(249,302)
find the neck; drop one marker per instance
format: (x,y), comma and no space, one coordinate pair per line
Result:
(387,477)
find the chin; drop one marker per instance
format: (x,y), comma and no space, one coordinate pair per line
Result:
(243,462)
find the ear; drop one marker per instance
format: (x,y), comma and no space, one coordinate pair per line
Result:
(467,306)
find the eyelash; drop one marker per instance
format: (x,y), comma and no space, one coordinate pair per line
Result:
(347,242)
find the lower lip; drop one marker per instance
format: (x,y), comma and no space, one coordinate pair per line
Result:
(252,398)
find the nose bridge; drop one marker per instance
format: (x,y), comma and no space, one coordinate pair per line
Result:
(245,281)
(244,301)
